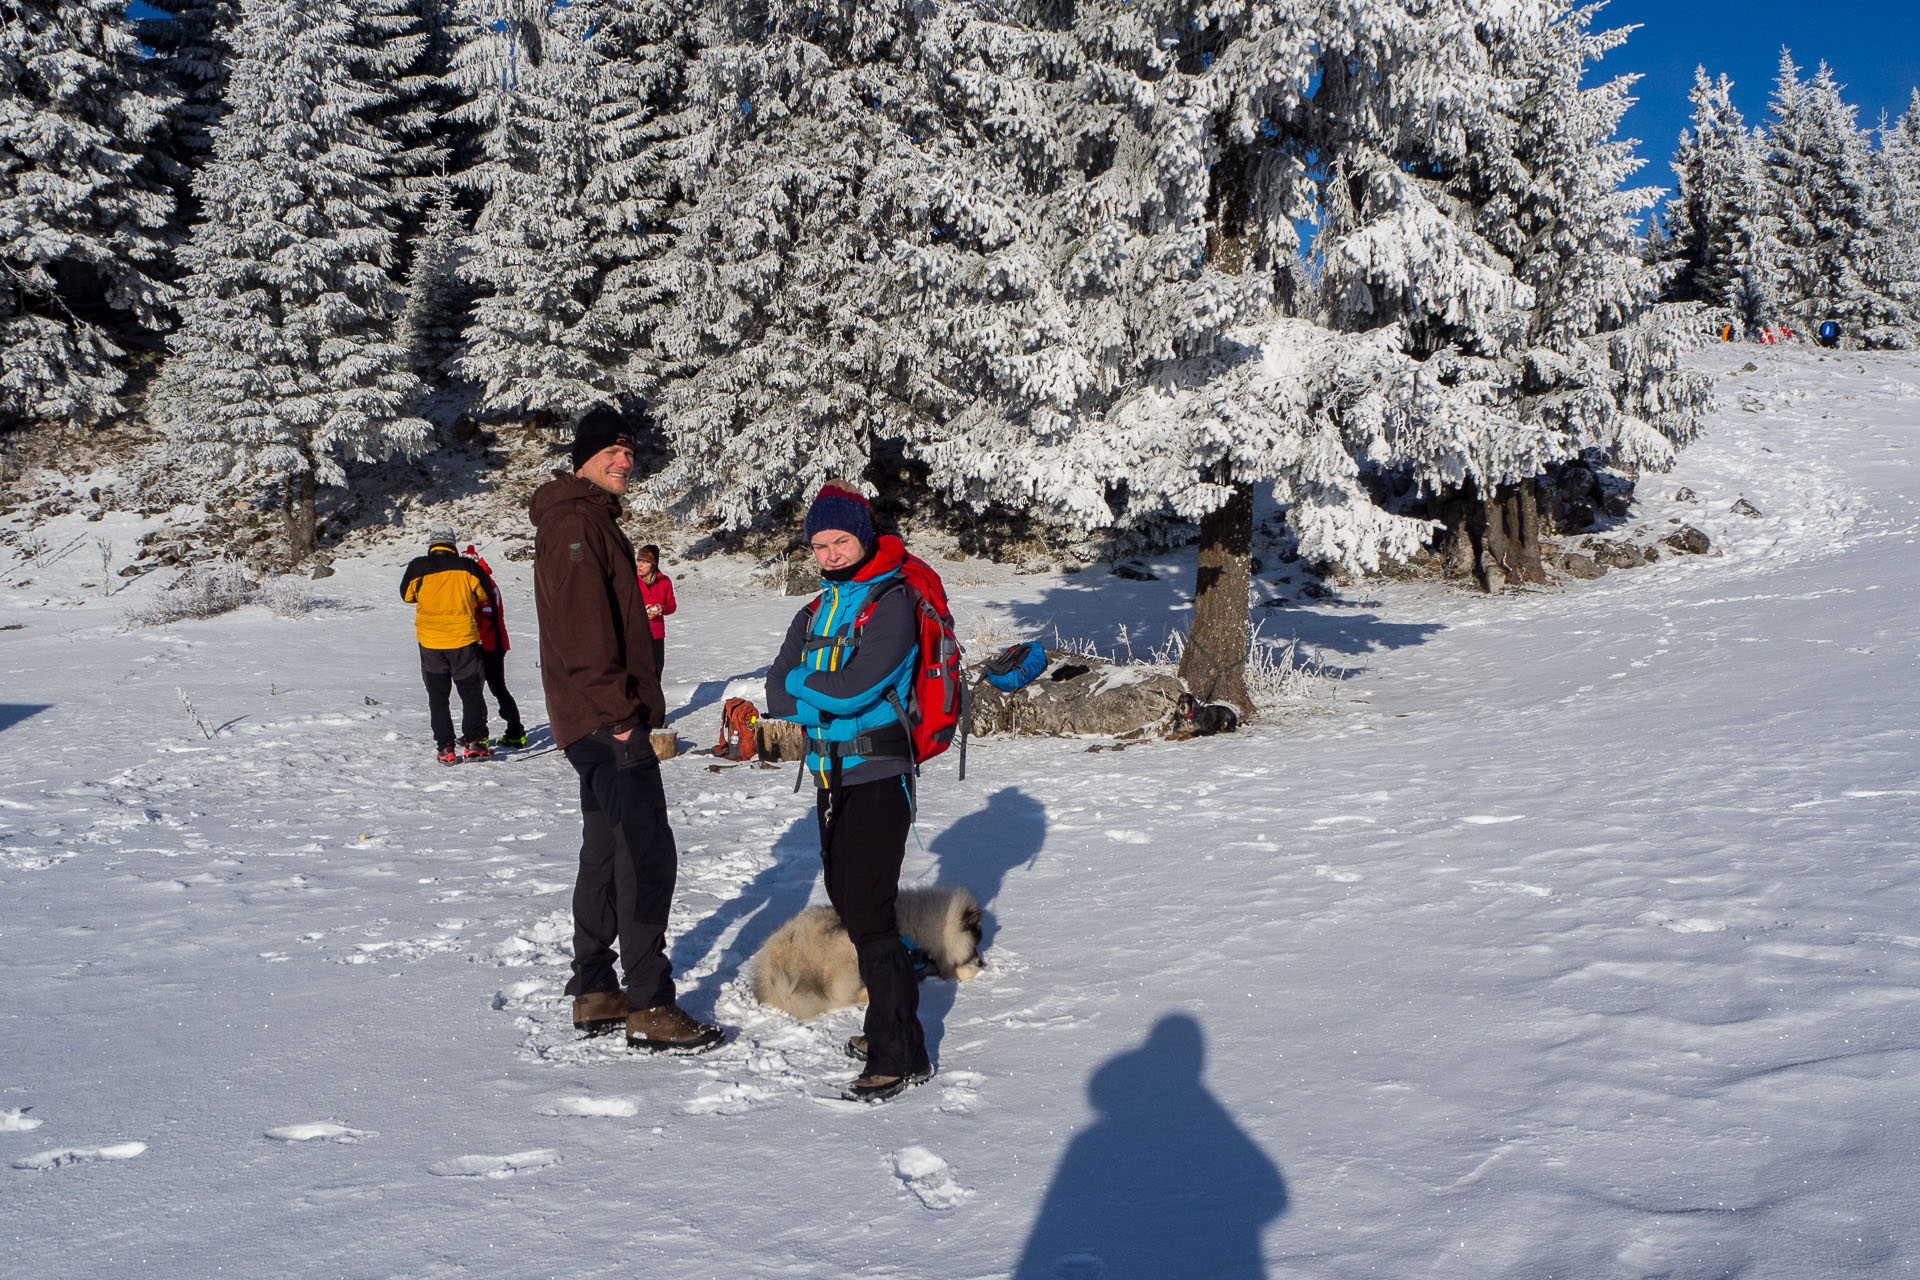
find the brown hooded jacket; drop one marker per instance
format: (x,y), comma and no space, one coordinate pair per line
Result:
(596,652)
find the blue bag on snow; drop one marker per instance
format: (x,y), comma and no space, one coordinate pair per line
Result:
(1015,667)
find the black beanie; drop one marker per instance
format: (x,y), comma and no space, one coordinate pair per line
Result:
(601,428)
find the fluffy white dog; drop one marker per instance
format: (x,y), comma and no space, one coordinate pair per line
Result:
(809,966)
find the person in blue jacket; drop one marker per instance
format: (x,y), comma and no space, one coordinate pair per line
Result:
(848,685)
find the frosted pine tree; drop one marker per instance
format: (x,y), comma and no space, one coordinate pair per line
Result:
(569,196)
(284,366)
(389,52)
(1719,220)
(1601,360)
(803,161)
(188,40)
(1818,173)
(437,300)
(84,208)
(1897,223)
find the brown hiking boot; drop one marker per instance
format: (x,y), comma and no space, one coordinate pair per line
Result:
(668,1026)
(598,1012)
(857,1048)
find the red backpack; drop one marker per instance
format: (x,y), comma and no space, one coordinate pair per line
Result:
(936,707)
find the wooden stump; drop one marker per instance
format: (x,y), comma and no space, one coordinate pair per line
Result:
(666,744)
(779,741)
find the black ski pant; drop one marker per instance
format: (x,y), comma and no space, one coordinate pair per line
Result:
(494,662)
(445,670)
(628,864)
(659,655)
(863,841)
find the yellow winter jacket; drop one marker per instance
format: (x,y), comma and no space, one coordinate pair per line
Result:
(445,589)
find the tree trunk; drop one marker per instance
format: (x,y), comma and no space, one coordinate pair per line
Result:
(297,510)
(1214,664)
(1494,540)
(1510,550)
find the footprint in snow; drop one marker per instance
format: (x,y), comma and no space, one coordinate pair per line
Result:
(80,1155)
(930,1178)
(495,1166)
(960,1090)
(618,1108)
(320,1131)
(16,1120)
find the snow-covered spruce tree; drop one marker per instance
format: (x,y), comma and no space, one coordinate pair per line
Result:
(284,366)
(1600,362)
(437,300)
(1719,222)
(84,208)
(1819,180)
(188,44)
(803,159)
(571,189)
(1897,222)
(389,52)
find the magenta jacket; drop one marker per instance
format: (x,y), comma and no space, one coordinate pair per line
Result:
(660,593)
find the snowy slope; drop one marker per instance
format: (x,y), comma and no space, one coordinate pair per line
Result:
(1581,940)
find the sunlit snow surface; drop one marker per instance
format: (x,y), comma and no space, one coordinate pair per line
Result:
(1580,939)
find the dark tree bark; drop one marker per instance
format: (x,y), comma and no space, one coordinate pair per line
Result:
(1214,664)
(1495,541)
(1510,546)
(298,513)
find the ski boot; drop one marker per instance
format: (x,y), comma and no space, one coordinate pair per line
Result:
(477,749)
(447,755)
(514,739)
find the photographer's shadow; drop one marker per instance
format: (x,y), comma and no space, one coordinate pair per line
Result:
(1163,1184)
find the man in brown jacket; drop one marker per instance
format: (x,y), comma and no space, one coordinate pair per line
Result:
(603,695)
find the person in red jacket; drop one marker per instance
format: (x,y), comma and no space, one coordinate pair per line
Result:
(656,588)
(492,619)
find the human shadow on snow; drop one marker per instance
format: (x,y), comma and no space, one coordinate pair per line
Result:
(978,850)
(766,902)
(1165,1183)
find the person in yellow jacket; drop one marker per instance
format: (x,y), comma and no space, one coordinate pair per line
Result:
(446,591)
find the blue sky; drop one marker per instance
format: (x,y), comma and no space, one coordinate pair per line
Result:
(1873,47)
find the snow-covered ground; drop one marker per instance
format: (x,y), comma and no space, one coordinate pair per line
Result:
(1580,939)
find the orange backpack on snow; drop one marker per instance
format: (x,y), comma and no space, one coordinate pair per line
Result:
(737,719)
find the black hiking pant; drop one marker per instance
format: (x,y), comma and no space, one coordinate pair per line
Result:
(628,864)
(863,841)
(659,654)
(494,662)
(445,670)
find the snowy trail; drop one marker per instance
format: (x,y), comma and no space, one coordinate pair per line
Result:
(1582,939)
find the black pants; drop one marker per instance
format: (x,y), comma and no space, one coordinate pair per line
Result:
(659,655)
(445,670)
(628,864)
(863,841)
(494,662)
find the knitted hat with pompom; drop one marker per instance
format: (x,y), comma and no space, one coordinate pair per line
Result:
(841,508)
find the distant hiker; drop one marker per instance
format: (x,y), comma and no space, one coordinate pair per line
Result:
(861,757)
(603,695)
(656,588)
(492,619)
(447,590)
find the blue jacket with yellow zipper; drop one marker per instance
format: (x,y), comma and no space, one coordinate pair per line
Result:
(840,695)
